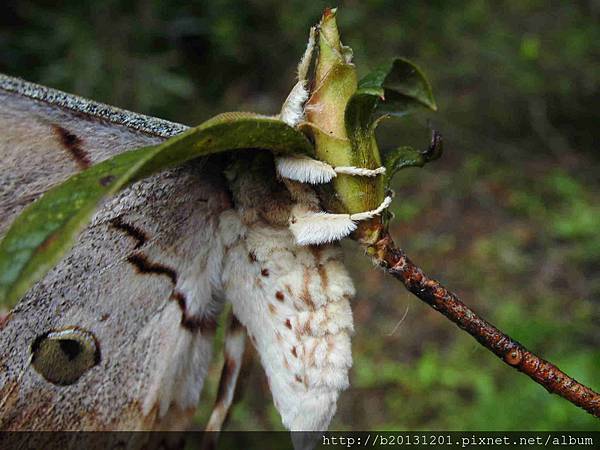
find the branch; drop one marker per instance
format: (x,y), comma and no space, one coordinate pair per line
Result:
(396,263)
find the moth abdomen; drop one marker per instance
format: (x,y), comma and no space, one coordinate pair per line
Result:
(294,302)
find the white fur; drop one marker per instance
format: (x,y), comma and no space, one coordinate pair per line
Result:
(304,169)
(292,111)
(315,228)
(299,320)
(178,377)
(308,170)
(309,227)
(178,371)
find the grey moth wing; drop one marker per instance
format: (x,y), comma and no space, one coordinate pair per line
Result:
(119,334)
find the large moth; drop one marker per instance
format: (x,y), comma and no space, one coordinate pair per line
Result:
(122,327)
(118,335)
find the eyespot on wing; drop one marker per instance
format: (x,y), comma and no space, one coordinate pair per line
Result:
(62,356)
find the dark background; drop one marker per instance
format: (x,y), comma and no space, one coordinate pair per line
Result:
(509,218)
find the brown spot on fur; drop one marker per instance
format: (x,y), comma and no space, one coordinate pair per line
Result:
(306,328)
(72,144)
(278,336)
(294,352)
(288,323)
(310,357)
(298,378)
(104,317)
(252,257)
(272,309)
(279,296)
(316,251)
(130,230)
(305,295)
(330,344)
(145,266)
(264,272)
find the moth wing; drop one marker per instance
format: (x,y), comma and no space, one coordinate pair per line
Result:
(118,335)
(47,135)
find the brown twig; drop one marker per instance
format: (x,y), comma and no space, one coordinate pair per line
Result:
(395,262)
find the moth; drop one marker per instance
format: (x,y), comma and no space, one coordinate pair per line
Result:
(118,335)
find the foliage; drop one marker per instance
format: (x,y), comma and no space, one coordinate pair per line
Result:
(185,60)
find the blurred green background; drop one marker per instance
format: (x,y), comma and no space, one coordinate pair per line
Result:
(509,218)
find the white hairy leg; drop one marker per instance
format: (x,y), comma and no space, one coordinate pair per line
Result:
(310,227)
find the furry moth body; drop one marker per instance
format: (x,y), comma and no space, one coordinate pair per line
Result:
(293,300)
(149,276)
(298,317)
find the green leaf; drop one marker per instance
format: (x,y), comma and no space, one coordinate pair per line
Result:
(48,228)
(394,89)
(405,87)
(401,157)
